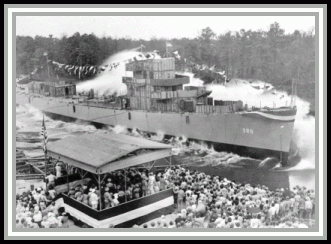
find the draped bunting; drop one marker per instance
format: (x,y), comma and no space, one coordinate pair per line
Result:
(33,72)
(91,70)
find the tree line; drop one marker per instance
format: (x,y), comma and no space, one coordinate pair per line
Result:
(271,56)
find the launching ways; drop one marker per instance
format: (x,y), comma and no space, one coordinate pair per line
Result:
(94,155)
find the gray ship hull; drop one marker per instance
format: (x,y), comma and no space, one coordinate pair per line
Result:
(248,134)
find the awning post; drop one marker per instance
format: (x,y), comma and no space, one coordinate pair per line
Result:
(99,191)
(68,177)
(125,185)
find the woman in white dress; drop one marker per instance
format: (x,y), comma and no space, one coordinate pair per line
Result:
(58,169)
(151,181)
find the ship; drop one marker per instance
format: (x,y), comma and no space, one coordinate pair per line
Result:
(160,101)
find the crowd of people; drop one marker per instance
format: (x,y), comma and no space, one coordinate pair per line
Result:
(36,209)
(220,202)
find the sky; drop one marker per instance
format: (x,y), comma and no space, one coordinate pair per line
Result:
(146,27)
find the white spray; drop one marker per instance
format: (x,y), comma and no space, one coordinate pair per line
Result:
(110,81)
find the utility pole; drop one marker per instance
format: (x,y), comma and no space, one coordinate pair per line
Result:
(49,75)
(166,50)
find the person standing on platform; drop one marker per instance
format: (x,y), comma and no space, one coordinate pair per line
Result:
(107,198)
(163,183)
(151,180)
(51,179)
(58,169)
(156,186)
(94,199)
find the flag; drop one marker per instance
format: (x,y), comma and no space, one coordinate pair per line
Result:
(33,72)
(45,53)
(150,55)
(176,54)
(204,67)
(142,46)
(80,71)
(86,70)
(168,44)
(256,87)
(212,68)
(103,68)
(44,134)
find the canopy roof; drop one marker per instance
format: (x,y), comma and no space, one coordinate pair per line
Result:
(102,153)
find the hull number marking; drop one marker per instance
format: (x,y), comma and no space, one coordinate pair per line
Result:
(246,130)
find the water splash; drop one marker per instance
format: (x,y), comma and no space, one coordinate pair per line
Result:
(159,136)
(110,81)
(120,129)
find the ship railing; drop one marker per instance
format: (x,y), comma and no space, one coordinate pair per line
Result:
(101,104)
